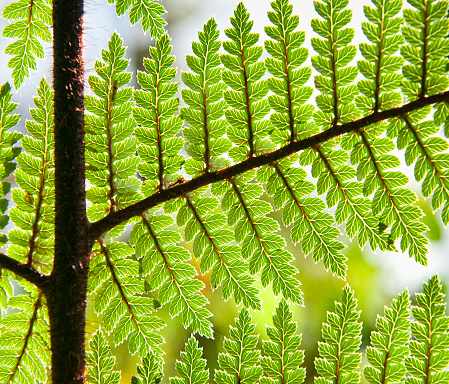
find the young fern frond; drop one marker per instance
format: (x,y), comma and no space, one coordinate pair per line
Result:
(191,367)
(25,339)
(204,141)
(389,344)
(33,25)
(288,184)
(119,295)
(248,105)
(8,154)
(100,361)
(32,238)
(149,12)
(255,234)
(339,360)
(239,363)
(211,243)
(429,350)
(288,79)
(170,273)
(110,145)
(282,356)
(158,124)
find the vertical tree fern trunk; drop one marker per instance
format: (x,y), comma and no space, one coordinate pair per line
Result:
(66,294)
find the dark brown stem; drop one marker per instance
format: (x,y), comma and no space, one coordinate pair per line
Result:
(25,271)
(66,297)
(424,54)
(248,108)
(113,219)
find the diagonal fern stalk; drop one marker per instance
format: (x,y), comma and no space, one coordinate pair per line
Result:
(389,344)
(429,351)
(32,27)
(246,97)
(239,363)
(342,333)
(282,356)
(191,367)
(204,141)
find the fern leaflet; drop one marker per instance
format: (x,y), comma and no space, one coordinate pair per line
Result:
(150,372)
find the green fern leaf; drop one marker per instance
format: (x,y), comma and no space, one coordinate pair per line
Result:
(150,372)
(158,124)
(33,25)
(282,360)
(211,243)
(204,141)
(25,339)
(239,363)
(191,367)
(427,48)
(100,362)
(110,144)
(246,96)
(119,295)
(334,54)
(339,360)
(256,236)
(314,227)
(33,216)
(429,358)
(389,344)
(167,266)
(8,153)
(288,79)
(149,12)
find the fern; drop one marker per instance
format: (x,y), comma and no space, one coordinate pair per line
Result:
(191,368)
(389,345)
(240,362)
(24,339)
(342,334)
(282,360)
(100,362)
(33,25)
(429,351)
(150,372)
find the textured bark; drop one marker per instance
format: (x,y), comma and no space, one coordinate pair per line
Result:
(66,296)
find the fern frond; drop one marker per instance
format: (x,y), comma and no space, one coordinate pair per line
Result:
(282,356)
(158,124)
(389,344)
(392,204)
(8,153)
(288,79)
(429,358)
(110,144)
(246,96)
(211,243)
(33,216)
(149,12)
(191,367)
(25,340)
(119,295)
(100,362)
(204,141)
(35,20)
(255,233)
(339,360)
(288,184)
(427,48)
(239,363)
(169,270)
(334,54)
(150,372)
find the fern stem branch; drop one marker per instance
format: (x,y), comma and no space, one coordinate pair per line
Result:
(136,209)
(25,271)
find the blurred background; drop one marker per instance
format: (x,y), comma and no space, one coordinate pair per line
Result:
(375,277)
